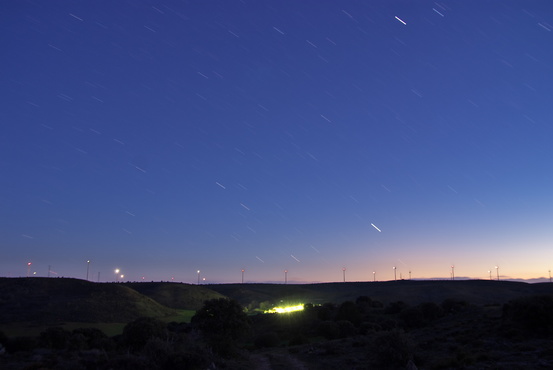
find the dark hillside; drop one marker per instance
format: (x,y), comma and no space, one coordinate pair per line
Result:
(49,300)
(410,291)
(176,295)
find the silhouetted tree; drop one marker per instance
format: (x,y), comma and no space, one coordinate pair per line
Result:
(349,311)
(222,321)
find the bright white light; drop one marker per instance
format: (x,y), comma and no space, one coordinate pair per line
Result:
(373,225)
(285,309)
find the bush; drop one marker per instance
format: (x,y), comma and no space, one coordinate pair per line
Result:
(268,339)
(346,328)
(328,329)
(93,337)
(157,350)
(21,344)
(533,315)
(431,311)
(363,303)
(412,317)
(392,349)
(349,311)
(222,317)
(193,359)
(298,339)
(222,321)
(137,333)
(3,338)
(451,305)
(395,307)
(326,311)
(54,338)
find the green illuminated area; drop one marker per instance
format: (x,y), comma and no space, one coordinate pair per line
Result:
(286,309)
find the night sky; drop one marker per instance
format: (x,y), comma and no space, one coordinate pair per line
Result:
(166,137)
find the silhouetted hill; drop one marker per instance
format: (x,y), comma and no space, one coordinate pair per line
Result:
(48,300)
(410,291)
(45,300)
(176,295)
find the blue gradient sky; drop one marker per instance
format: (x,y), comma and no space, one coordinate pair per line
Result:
(163,137)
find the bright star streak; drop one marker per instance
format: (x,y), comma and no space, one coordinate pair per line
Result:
(437,12)
(399,19)
(376,228)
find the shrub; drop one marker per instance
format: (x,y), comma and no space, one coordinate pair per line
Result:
(346,328)
(328,329)
(326,311)
(298,338)
(137,333)
(93,338)
(55,338)
(395,307)
(21,344)
(349,311)
(412,317)
(368,327)
(268,339)
(431,311)
(193,359)
(364,303)
(157,350)
(392,349)
(363,300)
(534,315)
(3,338)
(451,305)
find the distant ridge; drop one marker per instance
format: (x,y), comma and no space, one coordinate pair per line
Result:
(176,295)
(410,291)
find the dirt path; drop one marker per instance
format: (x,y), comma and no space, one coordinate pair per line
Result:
(277,360)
